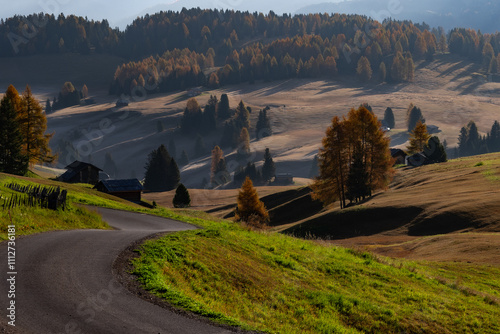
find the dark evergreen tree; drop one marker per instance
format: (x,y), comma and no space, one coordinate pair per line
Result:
(414,115)
(223,111)
(200,148)
(210,115)
(110,166)
(181,198)
(12,161)
(162,173)
(48,107)
(159,127)
(249,171)
(183,160)
(435,151)
(263,127)
(389,118)
(230,135)
(268,169)
(494,138)
(172,149)
(242,117)
(473,139)
(358,178)
(463,150)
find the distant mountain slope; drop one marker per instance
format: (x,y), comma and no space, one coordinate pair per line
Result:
(479,14)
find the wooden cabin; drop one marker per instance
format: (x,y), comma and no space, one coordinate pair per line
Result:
(80,172)
(129,190)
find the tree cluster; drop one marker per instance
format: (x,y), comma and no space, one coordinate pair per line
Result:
(324,46)
(355,159)
(196,121)
(23,138)
(470,142)
(258,176)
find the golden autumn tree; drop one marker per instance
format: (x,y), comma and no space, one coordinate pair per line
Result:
(33,124)
(333,159)
(218,170)
(418,138)
(244,142)
(356,139)
(250,209)
(13,95)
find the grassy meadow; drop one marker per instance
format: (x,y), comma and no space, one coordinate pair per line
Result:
(279,284)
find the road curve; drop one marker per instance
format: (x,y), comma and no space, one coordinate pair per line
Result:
(65,284)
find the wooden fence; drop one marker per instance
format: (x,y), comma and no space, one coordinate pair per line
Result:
(36,196)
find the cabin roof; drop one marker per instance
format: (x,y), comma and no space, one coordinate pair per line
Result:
(121,185)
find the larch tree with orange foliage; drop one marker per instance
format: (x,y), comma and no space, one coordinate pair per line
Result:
(250,208)
(418,138)
(33,124)
(218,170)
(356,139)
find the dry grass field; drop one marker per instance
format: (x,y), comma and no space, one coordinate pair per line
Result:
(449,91)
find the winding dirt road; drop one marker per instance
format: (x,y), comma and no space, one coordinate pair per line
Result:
(65,283)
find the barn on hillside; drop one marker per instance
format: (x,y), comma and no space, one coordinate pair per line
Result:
(127,189)
(80,172)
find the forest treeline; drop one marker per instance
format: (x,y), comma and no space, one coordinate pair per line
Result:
(177,49)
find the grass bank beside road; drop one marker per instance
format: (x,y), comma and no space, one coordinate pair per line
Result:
(278,284)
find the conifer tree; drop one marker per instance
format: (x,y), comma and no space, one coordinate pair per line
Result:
(268,168)
(418,138)
(33,124)
(110,166)
(210,115)
(364,69)
(223,111)
(48,108)
(85,91)
(263,127)
(409,69)
(414,116)
(14,97)
(389,118)
(199,146)
(242,116)
(435,151)
(229,135)
(250,209)
(494,138)
(159,127)
(244,143)
(182,199)
(12,161)
(357,179)
(382,72)
(218,169)
(184,159)
(360,131)
(162,173)
(333,160)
